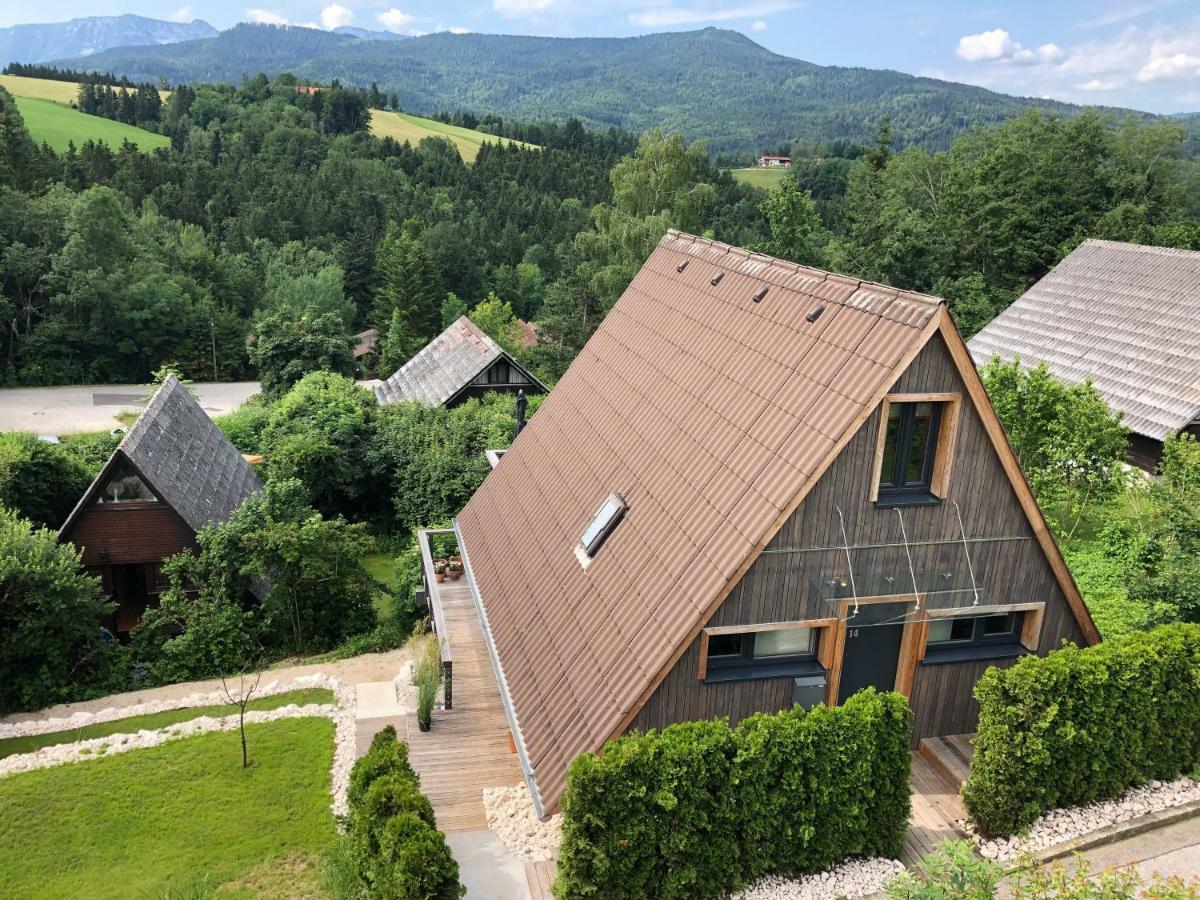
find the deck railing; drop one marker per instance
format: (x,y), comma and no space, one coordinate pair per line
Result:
(436,610)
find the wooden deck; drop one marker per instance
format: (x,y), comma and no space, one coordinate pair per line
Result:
(469,747)
(939,767)
(540,876)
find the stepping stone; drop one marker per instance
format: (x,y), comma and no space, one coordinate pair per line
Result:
(376,699)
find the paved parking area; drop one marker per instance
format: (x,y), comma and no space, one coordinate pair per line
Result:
(76,408)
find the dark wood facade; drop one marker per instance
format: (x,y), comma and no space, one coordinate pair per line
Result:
(125,544)
(790,579)
(504,376)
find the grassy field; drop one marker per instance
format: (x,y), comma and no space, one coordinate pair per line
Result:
(57,125)
(760,177)
(136,824)
(413,129)
(29,743)
(44,89)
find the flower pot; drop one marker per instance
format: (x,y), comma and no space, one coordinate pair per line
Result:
(454,574)
(423,724)
(439,577)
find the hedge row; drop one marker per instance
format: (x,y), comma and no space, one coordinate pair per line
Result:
(1084,724)
(699,808)
(397,851)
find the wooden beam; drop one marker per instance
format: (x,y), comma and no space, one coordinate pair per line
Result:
(1008,459)
(819,625)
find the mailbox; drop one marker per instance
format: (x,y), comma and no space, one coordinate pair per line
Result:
(809,690)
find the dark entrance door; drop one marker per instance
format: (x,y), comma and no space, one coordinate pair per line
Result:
(129,590)
(870,656)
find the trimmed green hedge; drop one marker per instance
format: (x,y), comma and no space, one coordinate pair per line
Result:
(699,808)
(1084,724)
(394,844)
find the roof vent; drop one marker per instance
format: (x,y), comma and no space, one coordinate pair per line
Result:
(760,293)
(682,265)
(716,279)
(815,313)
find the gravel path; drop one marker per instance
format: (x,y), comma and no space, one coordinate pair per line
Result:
(369,667)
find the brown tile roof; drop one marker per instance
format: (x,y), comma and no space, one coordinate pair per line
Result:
(1123,315)
(708,412)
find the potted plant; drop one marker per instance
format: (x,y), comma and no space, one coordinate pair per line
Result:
(427,676)
(454,570)
(439,571)
(426,695)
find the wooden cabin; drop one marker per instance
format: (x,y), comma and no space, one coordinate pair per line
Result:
(460,363)
(758,485)
(1126,318)
(173,473)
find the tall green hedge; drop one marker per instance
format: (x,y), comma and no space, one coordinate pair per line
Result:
(1084,724)
(394,844)
(699,808)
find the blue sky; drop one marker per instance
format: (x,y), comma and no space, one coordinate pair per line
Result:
(1139,53)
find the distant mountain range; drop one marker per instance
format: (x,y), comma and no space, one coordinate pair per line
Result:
(713,83)
(367,34)
(89,36)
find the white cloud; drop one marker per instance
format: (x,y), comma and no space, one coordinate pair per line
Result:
(1097,85)
(667,16)
(266,17)
(1173,67)
(760,25)
(394,20)
(1119,14)
(994,44)
(458,29)
(335,16)
(518,8)
(183,14)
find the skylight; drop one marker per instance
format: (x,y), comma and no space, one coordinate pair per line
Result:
(602,524)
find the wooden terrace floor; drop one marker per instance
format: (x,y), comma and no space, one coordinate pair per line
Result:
(469,747)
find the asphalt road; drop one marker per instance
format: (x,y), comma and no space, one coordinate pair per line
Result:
(68,410)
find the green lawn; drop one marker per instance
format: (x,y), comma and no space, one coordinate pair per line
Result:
(152,721)
(414,129)
(58,125)
(383,567)
(761,177)
(134,824)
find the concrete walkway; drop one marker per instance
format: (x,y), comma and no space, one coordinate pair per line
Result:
(486,869)
(1171,850)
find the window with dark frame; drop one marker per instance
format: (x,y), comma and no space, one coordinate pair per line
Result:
(778,652)
(974,637)
(909,453)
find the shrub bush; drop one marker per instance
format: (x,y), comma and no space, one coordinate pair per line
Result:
(1084,724)
(697,809)
(392,846)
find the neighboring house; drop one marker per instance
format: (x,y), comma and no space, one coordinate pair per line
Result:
(460,363)
(758,484)
(773,161)
(173,473)
(366,342)
(1128,318)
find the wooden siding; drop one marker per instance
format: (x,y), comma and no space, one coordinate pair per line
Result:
(787,582)
(129,534)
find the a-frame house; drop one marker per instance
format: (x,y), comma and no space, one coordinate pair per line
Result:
(759,484)
(173,473)
(460,363)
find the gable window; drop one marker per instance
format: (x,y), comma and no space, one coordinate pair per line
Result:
(975,637)
(770,653)
(602,524)
(125,486)
(915,449)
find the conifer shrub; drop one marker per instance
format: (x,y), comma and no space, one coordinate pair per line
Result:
(392,846)
(699,808)
(1080,725)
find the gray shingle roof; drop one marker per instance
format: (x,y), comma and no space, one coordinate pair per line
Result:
(186,459)
(444,366)
(1123,315)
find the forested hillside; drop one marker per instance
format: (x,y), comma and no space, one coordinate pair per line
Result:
(712,84)
(275,226)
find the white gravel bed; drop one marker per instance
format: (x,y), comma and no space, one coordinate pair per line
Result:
(510,815)
(341,714)
(1059,825)
(853,878)
(111,714)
